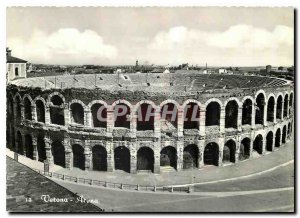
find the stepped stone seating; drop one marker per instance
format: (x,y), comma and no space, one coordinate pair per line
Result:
(153,82)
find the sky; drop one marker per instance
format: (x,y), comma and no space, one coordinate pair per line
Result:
(116,36)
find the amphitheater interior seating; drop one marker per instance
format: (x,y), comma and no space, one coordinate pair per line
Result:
(152,81)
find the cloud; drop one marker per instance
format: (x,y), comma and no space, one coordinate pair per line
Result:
(65,46)
(238,36)
(239,41)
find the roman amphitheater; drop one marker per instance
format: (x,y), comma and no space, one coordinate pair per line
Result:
(238,118)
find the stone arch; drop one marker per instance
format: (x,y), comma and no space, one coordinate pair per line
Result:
(188,101)
(136,107)
(122,158)
(99,158)
(283,139)
(77,109)
(269,141)
(145,116)
(261,92)
(41,148)
(28,146)
(258,144)
(285,105)
(169,114)
(89,106)
(99,113)
(18,104)
(190,156)
(20,147)
(247,102)
(245,148)
(56,104)
(231,113)
(17,96)
(277,138)
(213,112)
(56,101)
(145,159)
(58,153)
(233,99)
(289,130)
(291,102)
(211,154)
(79,102)
(271,108)
(191,114)
(78,156)
(40,108)
(29,98)
(168,157)
(122,101)
(260,100)
(10,104)
(122,115)
(279,107)
(229,151)
(27,108)
(169,101)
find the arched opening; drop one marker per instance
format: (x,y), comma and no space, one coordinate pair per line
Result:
(169,116)
(168,157)
(18,109)
(277,138)
(269,143)
(283,135)
(77,113)
(211,154)
(40,111)
(145,117)
(16,71)
(231,113)
(8,140)
(285,108)
(279,107)
(213,114)
(245,149)
(145,159)
(122,113)
(289,131)
(229,151)
(20,149)
(99,158)
(41,149)
(291,103)
(57,111)
(258,144)
(29,146)
(247,112)
(58,153)
(78,156)
(259,112)
(13,140)
(10,107)
(270,112)
(122,159)
(99,114)
(192,114)
(57,100)
(27,109)
(190,156)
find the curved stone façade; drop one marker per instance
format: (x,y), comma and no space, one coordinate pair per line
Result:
(34,131)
